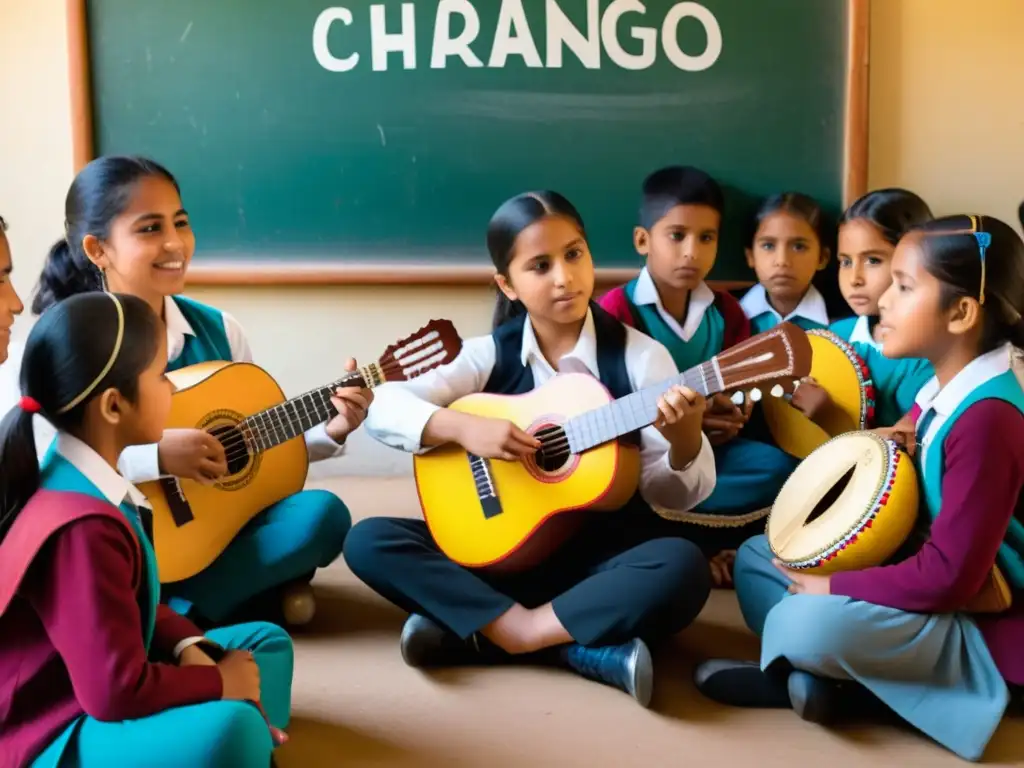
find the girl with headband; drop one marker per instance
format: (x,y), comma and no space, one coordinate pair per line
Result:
(936,636)
(97,672)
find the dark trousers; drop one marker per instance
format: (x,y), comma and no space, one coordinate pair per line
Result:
(624,576)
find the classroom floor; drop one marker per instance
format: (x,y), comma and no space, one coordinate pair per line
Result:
(356,703)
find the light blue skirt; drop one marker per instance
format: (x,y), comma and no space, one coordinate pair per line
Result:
(934,670)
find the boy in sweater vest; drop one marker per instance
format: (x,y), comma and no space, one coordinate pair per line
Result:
(678,232)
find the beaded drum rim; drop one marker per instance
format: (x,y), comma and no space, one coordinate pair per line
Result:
(891,457)
(860,367)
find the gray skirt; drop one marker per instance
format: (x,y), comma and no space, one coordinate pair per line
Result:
(933,670)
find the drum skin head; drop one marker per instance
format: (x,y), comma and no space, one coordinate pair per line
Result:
(841,372)
(849,505)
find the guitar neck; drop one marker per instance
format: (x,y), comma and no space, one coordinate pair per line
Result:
(637,410)
(269,428)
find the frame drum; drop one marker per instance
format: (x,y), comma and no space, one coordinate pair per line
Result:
(850,504)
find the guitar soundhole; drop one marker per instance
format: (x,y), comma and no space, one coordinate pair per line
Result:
(554,453)
(235,448)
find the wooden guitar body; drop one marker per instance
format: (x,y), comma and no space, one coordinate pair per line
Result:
(533,509)
(261,433)
(193,523)
(510,515)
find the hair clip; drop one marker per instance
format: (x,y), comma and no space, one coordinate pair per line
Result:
(984,241)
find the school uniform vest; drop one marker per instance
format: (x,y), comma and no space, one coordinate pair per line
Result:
(58,477)
(844,328)
(1003,387)
(510,377)
(210,341)
(707,341)
(766,321)
(59,474)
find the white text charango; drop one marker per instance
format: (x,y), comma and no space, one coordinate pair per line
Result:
(456,28)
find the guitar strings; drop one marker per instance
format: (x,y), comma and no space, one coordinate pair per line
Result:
(554,443)
(241,438)
(237,441)
(408,358)
(244,437)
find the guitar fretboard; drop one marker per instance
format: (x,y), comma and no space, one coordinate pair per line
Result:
(635,411)
(294,417)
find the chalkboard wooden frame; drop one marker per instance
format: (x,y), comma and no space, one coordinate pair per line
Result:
(855,173)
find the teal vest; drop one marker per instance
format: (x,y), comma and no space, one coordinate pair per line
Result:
(210,341)
(705,343)
(1003,387)
(844,328)
(767,320)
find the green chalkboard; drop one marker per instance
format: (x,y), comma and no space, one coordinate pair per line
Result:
(284,160)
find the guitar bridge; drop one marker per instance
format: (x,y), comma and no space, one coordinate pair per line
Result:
(484,482)
(181,510)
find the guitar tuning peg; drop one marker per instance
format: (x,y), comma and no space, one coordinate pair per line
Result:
(755,395)
(778,391)
(738,398)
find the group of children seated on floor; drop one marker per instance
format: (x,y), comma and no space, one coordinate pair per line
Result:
(936,305)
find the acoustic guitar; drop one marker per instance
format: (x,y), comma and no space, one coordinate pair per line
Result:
(510,515)
(262,435)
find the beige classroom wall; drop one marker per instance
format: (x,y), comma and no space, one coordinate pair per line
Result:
(946,120)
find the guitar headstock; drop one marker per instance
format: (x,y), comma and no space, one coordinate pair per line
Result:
(435,344)
(773,359)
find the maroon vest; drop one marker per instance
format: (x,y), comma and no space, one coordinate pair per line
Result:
(46,513)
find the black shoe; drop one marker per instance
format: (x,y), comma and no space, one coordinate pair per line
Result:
(425,644)
(813,698)
(627,667)
(743,684)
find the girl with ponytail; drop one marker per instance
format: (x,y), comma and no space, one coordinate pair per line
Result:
(936,637)
(98,671)
(507,223)
(628,579)
(126,229)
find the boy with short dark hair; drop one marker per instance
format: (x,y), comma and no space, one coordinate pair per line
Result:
(680,217)
(678,232)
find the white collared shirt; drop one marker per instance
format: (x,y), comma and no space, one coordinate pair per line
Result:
(946,400)
(861,334)
(811,306)
(141,463)
(401,409)
(701,298)
(114,487)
